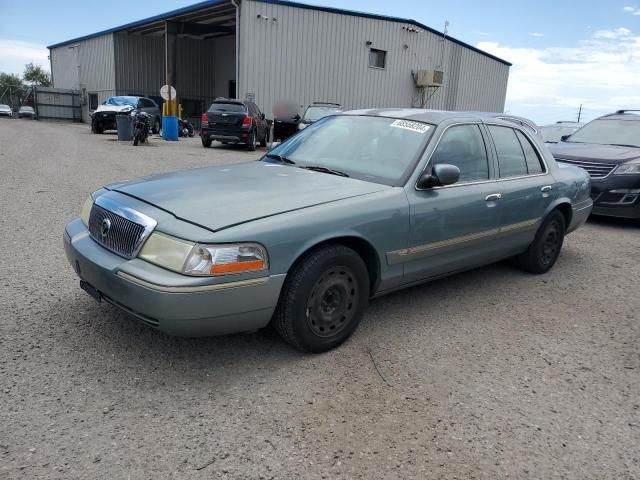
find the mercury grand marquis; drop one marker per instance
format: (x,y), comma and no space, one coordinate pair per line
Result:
(354,206)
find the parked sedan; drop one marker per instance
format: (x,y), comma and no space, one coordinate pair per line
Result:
(26,111)
(609,149)
(234,121)
(353,207)
(317,111)
(5,111)
(104,117)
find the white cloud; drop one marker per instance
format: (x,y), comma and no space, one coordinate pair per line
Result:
(549,84)
(536,34)
(14,55)
(632,10)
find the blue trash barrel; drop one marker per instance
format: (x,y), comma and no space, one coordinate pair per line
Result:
(170,128)
(124,123)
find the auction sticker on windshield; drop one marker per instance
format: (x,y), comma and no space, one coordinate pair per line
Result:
(413,126)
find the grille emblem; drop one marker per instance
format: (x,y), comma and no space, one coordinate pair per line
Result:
(105,227)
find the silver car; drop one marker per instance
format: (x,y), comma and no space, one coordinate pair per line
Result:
(353,207)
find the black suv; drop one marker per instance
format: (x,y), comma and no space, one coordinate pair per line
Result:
(609,149)
(234,121)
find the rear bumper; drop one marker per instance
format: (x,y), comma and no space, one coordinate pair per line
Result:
(231,136)
(580,213)
(184,306)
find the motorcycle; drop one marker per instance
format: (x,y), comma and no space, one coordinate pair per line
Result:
(141,126)
(185,128)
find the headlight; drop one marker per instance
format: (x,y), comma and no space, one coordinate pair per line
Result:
(189,258)
(86,210)
(225,259)
(628,169)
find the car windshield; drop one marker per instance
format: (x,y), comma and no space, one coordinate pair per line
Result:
(375,149)
(227,107)
(554,133)
(609,132)
(313,114)
(4,107)
(122,101)
(26,109)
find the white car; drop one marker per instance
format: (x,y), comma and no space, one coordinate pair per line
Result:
(316,111)
(5,111)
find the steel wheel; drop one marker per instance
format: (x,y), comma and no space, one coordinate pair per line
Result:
(551,243)
(330,304)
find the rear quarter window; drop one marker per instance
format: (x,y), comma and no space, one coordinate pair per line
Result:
(534,162)
(511,159)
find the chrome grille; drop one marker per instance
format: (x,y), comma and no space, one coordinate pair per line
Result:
(595,170)
(124,237)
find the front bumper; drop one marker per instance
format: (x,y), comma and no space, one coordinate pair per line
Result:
(617,196)
(105,120)
(173,303)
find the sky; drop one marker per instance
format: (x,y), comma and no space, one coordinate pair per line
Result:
(564,53)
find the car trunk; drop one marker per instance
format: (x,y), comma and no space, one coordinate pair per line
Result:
(226,116)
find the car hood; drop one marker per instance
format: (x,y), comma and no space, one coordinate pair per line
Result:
(220,197)
(114,108)
(591,152)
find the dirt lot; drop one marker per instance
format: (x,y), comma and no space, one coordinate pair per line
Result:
(489,374)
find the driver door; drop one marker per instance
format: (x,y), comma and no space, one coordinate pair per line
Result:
(454,227)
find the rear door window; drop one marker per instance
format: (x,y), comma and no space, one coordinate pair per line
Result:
(534,163)
(511,159)
(227,107)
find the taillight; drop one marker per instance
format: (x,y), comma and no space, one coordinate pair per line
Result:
(204,118)
(247,121)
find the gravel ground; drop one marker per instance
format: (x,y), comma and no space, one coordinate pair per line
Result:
(489,374)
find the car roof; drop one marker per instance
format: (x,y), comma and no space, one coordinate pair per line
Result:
(231,100)
(622,115)
(431,116)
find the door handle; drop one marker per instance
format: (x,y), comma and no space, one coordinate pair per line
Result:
(493,197)
(546,188)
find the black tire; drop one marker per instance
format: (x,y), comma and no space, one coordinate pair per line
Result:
(156,126)
(545,249)
(98,129)
(190,130)
(251,142)
(136,138)
(323,299)
(265,138)
(206,142)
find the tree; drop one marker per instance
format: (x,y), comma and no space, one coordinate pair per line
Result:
(9,80)
(36,75)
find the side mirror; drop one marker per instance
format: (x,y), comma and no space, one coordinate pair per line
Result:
(442,174)
(262,116)
(297,118)
(564,138)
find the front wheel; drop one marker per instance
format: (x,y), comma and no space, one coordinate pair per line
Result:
(323,299)
(545,249)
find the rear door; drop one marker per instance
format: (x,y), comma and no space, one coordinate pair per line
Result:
(226,116)
(525,185)
(454,227)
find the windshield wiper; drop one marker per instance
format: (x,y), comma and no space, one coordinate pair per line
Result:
(280,158)
(318,168)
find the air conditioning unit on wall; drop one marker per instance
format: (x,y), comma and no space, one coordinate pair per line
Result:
(429,78)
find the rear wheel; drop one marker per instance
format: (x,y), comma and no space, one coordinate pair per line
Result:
(156,126)
(323,300)
(545,249)
(251,143)
(265,138)
(206,142)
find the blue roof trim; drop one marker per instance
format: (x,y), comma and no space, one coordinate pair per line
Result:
(339,11)
(163,16)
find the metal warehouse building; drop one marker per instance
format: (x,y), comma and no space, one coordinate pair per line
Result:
(276,51)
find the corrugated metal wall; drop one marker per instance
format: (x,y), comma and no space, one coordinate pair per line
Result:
(309,55)
(203,70)
(87,66)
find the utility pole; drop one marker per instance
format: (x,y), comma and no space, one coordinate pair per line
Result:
(579,113)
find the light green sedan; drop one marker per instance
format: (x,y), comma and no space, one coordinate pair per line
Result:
(354,206)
